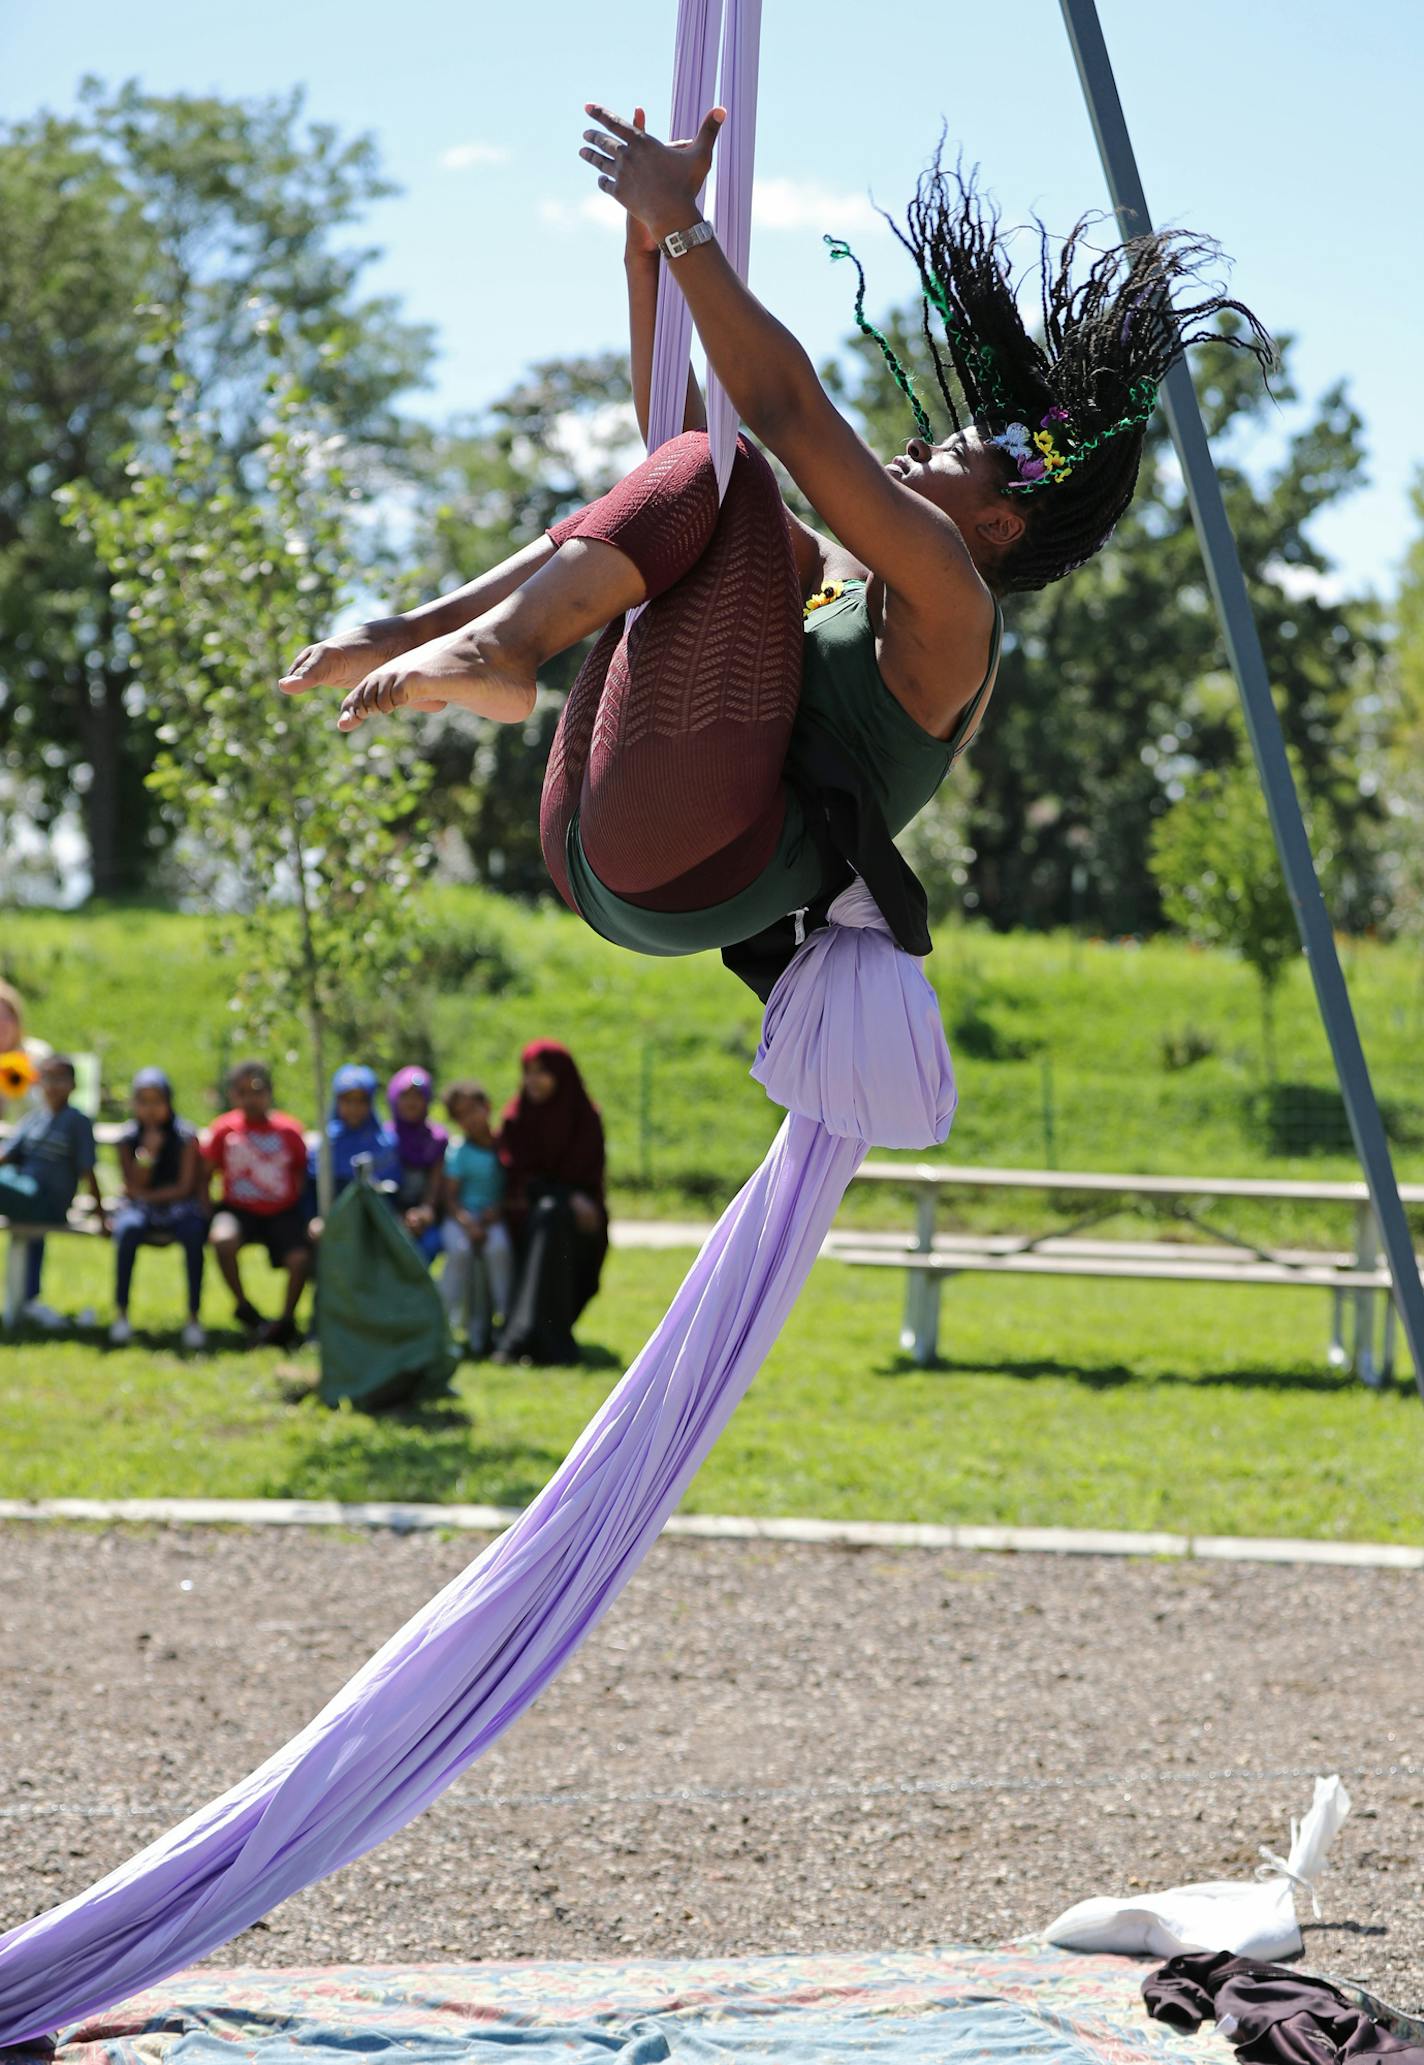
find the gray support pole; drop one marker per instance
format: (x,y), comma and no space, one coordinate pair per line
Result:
(1248,663)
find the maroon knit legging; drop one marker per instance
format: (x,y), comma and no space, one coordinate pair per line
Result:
(672,742)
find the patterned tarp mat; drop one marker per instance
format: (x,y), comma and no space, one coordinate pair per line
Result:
(955,2006)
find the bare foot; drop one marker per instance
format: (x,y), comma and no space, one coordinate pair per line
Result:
(347,657)
(470,667)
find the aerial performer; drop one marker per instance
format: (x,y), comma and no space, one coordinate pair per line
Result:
(766,705)
(719,771)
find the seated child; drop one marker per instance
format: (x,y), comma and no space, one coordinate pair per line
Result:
(18,1096)
(420,1152)
(40,1167)
(16,1100)
(474,1188)
(260,1157)
(353,1131)
(161,1170)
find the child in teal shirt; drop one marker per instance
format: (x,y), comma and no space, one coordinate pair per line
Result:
(474,1222)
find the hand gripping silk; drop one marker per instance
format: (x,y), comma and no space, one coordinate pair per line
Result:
(853,1050)
(699,24)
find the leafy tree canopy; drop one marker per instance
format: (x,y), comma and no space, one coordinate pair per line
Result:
(213,219)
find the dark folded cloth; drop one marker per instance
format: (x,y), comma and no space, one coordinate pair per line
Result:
(1274,2015)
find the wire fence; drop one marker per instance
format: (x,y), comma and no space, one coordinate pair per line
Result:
(672,1134)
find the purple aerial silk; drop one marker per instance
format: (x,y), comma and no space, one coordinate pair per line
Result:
(853,1049)
(694,85)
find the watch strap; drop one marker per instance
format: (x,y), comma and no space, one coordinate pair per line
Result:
(681,241)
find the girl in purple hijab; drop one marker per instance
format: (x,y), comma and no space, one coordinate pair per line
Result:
(421,1151)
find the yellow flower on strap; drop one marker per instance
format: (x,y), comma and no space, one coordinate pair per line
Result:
(17,1073)
(832,592)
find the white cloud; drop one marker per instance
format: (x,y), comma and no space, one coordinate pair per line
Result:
(804,204)
(594,439)
(599,209)
(777,204)
(461,157)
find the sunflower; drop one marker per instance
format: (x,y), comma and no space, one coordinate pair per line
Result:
(17,1073)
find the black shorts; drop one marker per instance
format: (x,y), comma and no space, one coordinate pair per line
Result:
(279,1232)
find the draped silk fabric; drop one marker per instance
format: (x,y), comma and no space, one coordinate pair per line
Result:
(854,1051)
(695,78)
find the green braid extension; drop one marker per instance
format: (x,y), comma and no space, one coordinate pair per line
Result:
(1143,394)
(839,248)
(980,356)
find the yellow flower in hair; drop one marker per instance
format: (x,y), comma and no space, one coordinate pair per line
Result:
(17,1073)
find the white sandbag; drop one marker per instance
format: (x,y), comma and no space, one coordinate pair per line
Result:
(1248,1919)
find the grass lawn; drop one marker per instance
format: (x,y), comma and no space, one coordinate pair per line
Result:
(1070,1403)
(1073,1403)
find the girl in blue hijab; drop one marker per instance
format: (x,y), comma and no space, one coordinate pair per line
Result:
(353,1128)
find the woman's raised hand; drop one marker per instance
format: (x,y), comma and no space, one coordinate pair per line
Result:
(658,182)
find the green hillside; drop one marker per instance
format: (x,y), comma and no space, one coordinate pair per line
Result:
(1084,1054)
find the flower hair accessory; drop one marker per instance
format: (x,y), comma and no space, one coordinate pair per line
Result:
(1034,452)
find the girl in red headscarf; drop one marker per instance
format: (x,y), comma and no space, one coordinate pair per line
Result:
(551,1145)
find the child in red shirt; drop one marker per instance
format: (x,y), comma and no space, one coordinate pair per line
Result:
(261,1156)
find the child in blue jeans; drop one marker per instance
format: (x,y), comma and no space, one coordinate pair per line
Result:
(161,1170)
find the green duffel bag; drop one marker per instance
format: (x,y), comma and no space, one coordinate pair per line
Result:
(379,1320)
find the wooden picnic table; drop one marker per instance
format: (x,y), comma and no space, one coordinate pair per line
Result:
(1358,1279)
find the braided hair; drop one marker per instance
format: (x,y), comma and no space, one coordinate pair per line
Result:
(1090,379)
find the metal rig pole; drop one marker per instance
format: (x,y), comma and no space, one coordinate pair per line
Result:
(1248,663)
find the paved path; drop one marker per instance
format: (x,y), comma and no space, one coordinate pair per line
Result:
(765,1746)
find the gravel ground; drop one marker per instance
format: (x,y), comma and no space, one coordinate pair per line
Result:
(761,1749)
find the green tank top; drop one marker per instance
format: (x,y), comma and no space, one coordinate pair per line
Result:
(843,695)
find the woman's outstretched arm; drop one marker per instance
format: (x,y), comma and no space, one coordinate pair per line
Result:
(641,267)
(641,263)
(818,559)
(773,385)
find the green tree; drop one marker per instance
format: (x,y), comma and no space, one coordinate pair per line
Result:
(1113,690)
(213,211)
(1214,860)
(1398,762)
(307,843)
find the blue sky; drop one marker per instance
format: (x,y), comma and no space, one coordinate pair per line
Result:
(1287,128)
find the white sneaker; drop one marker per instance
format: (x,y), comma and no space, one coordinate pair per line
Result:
(193,1335)
(40,1314)
(120,1333)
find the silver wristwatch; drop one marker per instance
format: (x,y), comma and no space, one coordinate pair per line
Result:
(681,241)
